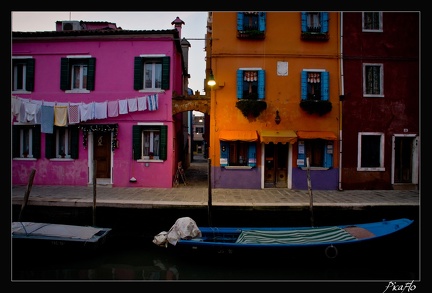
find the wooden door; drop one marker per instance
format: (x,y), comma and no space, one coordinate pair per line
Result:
(275,170)
(102,153)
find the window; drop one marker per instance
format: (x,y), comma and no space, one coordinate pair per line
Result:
(23,74)
(319,152)
(372,21)
(315,85)
(314,22)
(370,155)
(373,76)
(26,141)
(62,143)
(237,153)
(199,130)
(149,142)
(151,73)
(250,84)
(251,24)
(78,74)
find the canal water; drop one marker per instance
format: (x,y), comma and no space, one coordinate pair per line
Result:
(131,256)
(139,259)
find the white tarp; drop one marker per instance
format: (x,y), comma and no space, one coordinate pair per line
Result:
(54,230)
(184,228)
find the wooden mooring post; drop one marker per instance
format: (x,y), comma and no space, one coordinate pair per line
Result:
(27,193)
(209,207)
(309,183)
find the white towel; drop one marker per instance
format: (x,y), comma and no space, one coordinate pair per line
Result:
(142,103)
(101,110)
(123,107)
(132,105)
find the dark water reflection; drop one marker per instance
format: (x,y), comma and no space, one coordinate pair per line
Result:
(141,261)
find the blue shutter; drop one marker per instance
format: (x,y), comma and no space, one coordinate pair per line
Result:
(303,22)
(240,21)
(224,152)
(303,83)
(262,21)
(301,156)
(328,157)
(325,86)
(324,22)
(261,84)
(252,154)
(239,84)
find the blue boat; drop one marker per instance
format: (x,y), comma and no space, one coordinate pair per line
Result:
(328,240)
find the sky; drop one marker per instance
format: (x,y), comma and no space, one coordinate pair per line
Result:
(193,29)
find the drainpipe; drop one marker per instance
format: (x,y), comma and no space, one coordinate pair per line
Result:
(340,100)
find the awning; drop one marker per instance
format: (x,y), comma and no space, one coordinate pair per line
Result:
(327,135)
(243,135)
(275,136)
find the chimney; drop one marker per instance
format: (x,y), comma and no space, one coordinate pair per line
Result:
(178,25)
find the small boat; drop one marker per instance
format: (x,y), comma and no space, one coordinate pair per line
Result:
(328,240)
(58,235)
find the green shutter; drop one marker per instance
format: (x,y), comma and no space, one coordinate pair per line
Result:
(74,142)
(224,152)
(136,142)
(165,73)
(163,142)
(138,73)
(15,141)
(30,68)
(50,149)
(36,141)
(64,75)
(91,74)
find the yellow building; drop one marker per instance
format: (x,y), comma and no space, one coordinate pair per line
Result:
(275,104)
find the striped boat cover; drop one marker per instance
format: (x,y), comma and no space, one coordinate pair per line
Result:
(301,236)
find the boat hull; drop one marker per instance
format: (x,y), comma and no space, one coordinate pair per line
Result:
(331,242)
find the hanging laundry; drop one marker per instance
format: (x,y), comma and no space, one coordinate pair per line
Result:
(60,115)
(86,112)
(101,110)
(152,102)
(47,119)
(132,105)
(30,111)
(113,108)
(142,103)
(123,107)
(73,113)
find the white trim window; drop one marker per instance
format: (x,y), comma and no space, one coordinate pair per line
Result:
(63,142)
(372,22)
(23,74)
(370,156)
(77,74)
(373,80)
(26,141)
(151,73)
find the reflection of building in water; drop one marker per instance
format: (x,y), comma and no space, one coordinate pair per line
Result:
(127,272)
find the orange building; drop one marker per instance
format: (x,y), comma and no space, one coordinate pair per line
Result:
(275,117)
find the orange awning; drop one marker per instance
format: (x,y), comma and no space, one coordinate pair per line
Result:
(243,135)
(328,135)
(275,136)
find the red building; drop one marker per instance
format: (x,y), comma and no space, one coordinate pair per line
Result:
(380,102)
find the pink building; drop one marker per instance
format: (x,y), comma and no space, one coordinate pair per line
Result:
(91,101)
